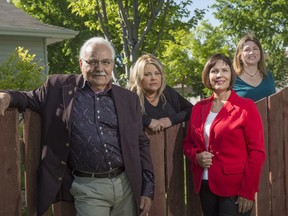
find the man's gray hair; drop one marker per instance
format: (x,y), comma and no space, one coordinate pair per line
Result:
(96,40)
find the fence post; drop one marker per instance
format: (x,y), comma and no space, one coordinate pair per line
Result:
(32,145)
(263,197)
(10,175)
(276,153)
(174,170)
(157,153)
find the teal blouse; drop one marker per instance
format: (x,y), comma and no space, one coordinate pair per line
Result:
(264,89)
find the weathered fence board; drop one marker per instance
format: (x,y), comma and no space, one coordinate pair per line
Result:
(31,140)
(174,171)
(285,142)
(10,176)
(157,153)
(193,207)
(276,154)
(264,194)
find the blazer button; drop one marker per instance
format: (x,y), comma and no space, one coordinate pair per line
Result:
(70,92)
(67,144)
(60,178)
(63,163)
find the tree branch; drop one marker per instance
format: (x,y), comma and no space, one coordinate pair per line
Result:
(154,14)
(103,19)
(162,25)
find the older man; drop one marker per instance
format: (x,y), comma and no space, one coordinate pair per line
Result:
(93,144)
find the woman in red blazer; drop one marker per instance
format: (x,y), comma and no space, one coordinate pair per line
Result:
(225,144)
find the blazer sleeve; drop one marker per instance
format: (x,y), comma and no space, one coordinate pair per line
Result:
(146,120)
(192,140)
(182,107)
(254,137)
(34,100)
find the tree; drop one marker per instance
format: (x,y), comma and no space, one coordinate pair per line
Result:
(20,72)
(136,26)
(267,19)
(62,56)
(184,60)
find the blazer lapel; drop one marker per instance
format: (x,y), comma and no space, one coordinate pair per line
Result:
(120,108)
(68,94)
(226,109)
(205,110)
(203,116)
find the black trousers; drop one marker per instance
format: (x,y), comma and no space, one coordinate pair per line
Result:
(213,205)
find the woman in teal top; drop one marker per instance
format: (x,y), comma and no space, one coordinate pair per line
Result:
(264,89)
(253,80)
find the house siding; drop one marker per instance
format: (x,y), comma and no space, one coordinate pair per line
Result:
(35,45)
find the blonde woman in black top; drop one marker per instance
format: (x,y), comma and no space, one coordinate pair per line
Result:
(161,105)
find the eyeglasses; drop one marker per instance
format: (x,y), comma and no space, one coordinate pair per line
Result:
(104,62)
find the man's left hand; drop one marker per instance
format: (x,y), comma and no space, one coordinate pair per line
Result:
(145,205)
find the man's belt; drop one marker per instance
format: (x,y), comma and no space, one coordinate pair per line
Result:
(109,174)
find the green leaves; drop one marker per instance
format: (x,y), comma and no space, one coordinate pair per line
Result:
(20,71)
(184,59)
(267,19)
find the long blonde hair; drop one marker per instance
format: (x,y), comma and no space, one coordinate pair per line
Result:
(237,62)
(137,74)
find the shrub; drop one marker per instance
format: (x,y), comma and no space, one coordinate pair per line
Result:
(20,72)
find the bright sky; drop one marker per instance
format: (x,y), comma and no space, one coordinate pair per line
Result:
(204,4)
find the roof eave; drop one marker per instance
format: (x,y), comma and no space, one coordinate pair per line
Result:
(52,36)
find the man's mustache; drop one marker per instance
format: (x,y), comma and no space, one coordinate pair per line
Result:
(98,73)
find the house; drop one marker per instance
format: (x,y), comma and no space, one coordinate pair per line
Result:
(20,29)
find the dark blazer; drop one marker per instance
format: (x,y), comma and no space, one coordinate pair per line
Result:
(54,101)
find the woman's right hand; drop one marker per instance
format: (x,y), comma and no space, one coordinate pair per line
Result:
(156,125)
(204,159)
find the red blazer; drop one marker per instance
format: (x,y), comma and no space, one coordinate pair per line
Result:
(237,142)
(54,102)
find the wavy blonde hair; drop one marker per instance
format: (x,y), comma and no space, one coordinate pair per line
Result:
(237,62)
(137,74)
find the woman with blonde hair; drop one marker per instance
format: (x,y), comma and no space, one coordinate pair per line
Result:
(161,105)
(253,80)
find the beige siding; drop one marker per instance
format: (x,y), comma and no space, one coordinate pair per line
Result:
(35,45)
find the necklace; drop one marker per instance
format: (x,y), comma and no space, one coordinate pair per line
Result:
(250,74)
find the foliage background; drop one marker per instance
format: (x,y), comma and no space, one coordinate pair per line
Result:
(179,37)
(20,71)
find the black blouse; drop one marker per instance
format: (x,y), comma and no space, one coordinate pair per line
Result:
(177,108)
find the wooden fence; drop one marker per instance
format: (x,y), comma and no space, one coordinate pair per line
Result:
(174,194)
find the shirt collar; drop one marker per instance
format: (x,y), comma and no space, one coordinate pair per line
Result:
(87,83)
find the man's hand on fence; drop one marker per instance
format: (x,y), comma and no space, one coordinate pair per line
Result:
(145,205)
(5,99)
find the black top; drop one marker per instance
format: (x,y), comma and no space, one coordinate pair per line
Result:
(177,108)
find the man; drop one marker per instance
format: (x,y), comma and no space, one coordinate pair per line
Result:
(93,144)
